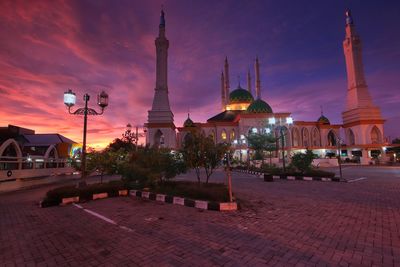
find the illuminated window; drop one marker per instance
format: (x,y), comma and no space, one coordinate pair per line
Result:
(232,134)
(223,135)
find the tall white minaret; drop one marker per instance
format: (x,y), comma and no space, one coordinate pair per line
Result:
(360,115)
(258,83)
(248,81)
(223,97)
(161,128)
(226,75)
(357,89)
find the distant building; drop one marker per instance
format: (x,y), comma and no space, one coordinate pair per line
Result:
(360,137)
(25,154)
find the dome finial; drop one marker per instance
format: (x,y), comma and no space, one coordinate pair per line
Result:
(239,81)
(349,18)
(162,17)
(322,111)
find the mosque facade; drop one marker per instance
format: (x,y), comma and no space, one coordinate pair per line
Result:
(359,137)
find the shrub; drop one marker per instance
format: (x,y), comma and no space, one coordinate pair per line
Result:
(302,161)
(55,196)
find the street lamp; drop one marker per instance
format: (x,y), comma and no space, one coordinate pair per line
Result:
(130,136)
(339,144)
(70,101)
(289,121)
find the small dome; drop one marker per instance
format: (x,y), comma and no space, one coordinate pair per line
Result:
(259,106)
(188,123)
(323,120)
(240,95)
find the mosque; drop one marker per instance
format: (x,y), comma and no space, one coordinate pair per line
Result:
(360,137)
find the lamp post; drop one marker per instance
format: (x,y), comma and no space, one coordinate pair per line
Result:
(339,144)
(130,136)
(70,101)
(272,122)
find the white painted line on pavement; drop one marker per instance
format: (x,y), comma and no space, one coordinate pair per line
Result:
(103,217)
(356,180)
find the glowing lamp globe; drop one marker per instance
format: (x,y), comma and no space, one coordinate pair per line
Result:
(102,99)
(271,120)
(69,98)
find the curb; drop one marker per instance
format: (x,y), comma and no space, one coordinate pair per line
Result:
(199,204)
(292,178)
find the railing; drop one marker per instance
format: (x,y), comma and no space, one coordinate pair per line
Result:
(28,167)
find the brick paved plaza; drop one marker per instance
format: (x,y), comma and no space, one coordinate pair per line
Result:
(284,223)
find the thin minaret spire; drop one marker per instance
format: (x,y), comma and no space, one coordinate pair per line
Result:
(248,81)
(223,96)
(226,75)
(258,83)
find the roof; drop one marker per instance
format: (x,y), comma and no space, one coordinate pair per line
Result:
(323,120)
(188,123)
(46,139)
(259,106)
(240,95)
(227,116)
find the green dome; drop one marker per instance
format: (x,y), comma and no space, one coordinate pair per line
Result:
(323,120)
(240,95)
(259,106)
(188,123)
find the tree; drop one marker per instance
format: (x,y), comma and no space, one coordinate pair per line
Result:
(119,144)
(200,151)
(105,162)
(303,161)
(260,142)
(148,166)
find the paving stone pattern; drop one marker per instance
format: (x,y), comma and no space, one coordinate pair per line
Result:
(283,223)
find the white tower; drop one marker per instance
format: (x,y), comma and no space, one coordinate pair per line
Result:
(161,128)
(362,120)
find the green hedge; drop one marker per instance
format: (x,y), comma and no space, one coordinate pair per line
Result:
(291,172)
(55,196)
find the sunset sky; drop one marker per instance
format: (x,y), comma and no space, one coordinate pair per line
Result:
(47,47)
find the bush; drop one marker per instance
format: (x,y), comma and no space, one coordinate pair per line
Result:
(55,196)
(302,161)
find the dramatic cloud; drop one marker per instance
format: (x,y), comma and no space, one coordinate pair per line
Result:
(47,47)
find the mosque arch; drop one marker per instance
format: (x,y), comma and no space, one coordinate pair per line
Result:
(10,151)
(51,152)
(331,138)
(10,148)
(305,137)
(295,137)
(159,138)
(285,136)
(376,135)
(351,136)
(315,137)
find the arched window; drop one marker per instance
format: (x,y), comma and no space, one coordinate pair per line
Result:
(331,138)
(305,137)
(232,135)
(352,138)
(376,137)
(158,138)
(295,137)
(187,138)
(315,137)
(212,135)
(223,135)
